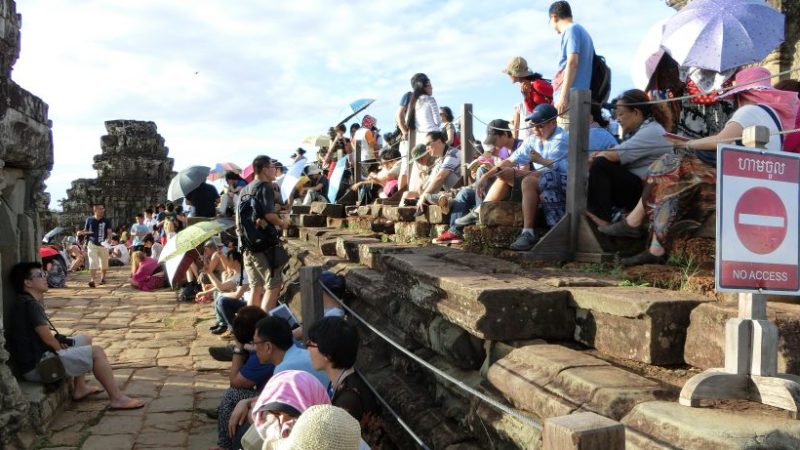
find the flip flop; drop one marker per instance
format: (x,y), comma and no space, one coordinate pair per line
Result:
(132,404)
(94,391)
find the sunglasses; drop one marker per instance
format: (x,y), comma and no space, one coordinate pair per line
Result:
(41,274)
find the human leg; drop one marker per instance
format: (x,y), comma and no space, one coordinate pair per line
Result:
(498,191)
(230,398)
(256,277)
(105,375)
(610,185)
(530,202)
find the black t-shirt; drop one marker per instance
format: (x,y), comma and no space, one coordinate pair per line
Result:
(325,183)
(265,200)
(98,228)
(25,345)
(204,199)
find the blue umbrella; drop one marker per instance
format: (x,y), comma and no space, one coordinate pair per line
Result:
(358,106)
(723,34)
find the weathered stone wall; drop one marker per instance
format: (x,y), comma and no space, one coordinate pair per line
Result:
(787,56)
(26,157)
(133,172)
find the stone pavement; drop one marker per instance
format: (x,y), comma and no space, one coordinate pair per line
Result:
(158,348)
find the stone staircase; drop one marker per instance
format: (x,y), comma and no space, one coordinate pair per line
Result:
(546,342)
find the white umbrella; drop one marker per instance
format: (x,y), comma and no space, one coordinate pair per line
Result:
(291,178)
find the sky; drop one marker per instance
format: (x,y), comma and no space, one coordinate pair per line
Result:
(226,81)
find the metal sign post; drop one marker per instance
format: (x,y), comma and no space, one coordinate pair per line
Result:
(757,253)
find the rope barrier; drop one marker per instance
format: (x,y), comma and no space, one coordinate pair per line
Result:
(460,384)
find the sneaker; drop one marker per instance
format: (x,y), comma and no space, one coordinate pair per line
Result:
(644,257)
(222,353)
(468,218)
(220,330)
(91,284)
(215,326)
(448,237)
(524,242)
(620,229)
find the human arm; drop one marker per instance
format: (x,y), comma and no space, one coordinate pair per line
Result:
(43,331)
(570,71)
(400,119)
(731,132)
(610,154)
(235,376)
(434,184)
(451,133)
(240,414)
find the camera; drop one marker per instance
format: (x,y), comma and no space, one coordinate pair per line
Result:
(68,341)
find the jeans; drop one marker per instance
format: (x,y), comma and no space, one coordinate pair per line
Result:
(464,201)
(226,309)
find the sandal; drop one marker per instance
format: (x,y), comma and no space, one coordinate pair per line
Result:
(132,404)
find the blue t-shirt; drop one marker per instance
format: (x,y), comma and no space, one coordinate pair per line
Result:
(136,229)
(405,99)
(256,372)
(556,147)
(297,358)
(600,139)
(575,39)
(99,228)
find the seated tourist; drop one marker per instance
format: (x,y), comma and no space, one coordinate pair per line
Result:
(154,248)
(317,188)
(333,346)
(146,273)
(118,252)
(230,292)
(76,254)
(616,175)
(247,375)
(446,171)
(683,185)
(545,186)
(422,162)
(31,338)
(331,308)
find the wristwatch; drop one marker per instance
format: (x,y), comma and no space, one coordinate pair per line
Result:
(239,351)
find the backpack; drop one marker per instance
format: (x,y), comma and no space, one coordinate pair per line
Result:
(251,237)
(601,80)
(188,292)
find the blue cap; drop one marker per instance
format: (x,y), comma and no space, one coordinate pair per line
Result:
(542,113)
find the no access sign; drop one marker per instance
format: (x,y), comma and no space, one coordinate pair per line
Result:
(758,221)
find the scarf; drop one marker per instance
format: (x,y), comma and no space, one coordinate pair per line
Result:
(290,391)
(785,103)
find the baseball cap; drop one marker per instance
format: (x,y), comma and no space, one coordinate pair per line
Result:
(542,113)
(518,67)
(492,130)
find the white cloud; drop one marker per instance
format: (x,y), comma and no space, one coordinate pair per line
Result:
(230,80)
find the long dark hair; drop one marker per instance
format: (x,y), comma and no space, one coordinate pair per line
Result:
(637,99)
(418,82)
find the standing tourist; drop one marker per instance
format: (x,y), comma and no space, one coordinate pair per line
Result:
(139,230)
(575,63)
(535,91)
(97,230)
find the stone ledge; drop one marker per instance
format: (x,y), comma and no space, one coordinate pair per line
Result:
(43,405)
(643,324)
(668,425)
(705,338)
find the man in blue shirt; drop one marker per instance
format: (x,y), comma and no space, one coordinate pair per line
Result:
(139,230)
(575,64)
(545,186)
(98,230)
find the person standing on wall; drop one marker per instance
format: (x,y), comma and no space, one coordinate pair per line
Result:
(575,63)
(97,230)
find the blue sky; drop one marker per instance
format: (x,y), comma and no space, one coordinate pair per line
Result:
(226,81)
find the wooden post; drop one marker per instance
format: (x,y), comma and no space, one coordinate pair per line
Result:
(310,297)
(357,165)
(466,135)
(583,431)
(751,348)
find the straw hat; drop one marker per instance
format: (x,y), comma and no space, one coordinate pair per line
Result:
(323,427)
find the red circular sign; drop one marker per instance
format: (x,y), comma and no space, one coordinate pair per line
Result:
(760,220)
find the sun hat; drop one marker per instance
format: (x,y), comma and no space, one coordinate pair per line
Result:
(368,121)
(492,130)
(542,113)
(314,170)
(419,151)
(750,79)
(323,427)
(518,67)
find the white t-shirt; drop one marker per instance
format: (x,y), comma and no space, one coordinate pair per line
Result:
(124,255)
(753,115)
(426,113)
(155,250)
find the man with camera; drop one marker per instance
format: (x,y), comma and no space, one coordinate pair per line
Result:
(32,339)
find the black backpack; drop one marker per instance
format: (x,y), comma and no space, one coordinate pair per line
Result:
(601,80)
(251,237)
(189,291)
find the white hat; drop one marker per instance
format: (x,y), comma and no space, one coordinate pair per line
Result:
(313,170)
(323,427)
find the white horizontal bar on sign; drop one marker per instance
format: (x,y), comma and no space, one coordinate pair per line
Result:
(762,221)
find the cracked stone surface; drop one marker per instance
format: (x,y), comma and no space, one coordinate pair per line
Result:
(157,347)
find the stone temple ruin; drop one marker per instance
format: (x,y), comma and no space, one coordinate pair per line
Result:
(26,158)
(133,172)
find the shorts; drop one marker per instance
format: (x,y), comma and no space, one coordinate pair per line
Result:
(98,256)
(77,360)
(259,273)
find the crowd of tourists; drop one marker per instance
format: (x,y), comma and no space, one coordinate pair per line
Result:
(652,171)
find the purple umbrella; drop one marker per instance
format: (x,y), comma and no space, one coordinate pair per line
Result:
(722,34)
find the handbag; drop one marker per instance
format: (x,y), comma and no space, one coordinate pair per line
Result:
(50,368)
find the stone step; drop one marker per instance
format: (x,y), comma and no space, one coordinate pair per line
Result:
(43,405)
(336,222)
(552,380)
(500,214)
(411,231)
(327,209)
(494,307)
(399,213)
(643,324)
(347,247)
(301,209)
(434,215)
(705,340)
(669,425)
(308,220)
(483,239)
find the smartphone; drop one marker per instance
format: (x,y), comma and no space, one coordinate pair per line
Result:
(675,136)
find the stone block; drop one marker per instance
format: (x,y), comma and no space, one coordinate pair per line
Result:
(583,431)
(411,231)
(291,232)
(312,234)
(364,210)
(493,307)
(348,247)
(504,427)
(436,215)
(370,254)
(705,339)
(662,425)
(644,324)
(301,209)
(335,222)
(479,238)
(308,220)
(360,223)
(375,209)
(43,405)
(501,214)
(399,213)
(327,209)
